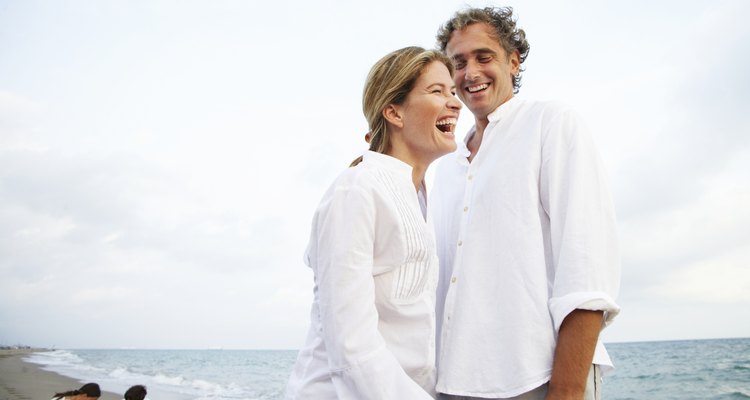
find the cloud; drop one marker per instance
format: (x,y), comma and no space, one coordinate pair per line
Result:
(720,280)
(169,169)
(12,104)
(18,129)
(696,252)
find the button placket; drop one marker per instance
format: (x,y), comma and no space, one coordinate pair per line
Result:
(457,264)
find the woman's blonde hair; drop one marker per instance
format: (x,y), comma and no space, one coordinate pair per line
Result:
(389,82)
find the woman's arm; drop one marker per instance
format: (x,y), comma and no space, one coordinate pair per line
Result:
(361,365)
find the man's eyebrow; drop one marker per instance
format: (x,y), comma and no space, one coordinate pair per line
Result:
(481,51)
(484,50)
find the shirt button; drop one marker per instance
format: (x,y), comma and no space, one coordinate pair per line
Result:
(466,209)
(460,242)
(470,177)
(453,280)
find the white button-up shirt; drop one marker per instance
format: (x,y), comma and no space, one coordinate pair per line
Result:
(372,333)
(526,234)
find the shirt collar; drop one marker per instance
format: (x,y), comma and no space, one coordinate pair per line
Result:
(462,151)
(503,109)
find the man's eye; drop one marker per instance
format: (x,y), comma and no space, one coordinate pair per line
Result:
(484,59)
(460,65)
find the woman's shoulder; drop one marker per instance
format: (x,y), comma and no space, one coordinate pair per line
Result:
(360,178)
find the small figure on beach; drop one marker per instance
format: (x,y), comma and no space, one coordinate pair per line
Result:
(372,246)
(86,392)
(136,392)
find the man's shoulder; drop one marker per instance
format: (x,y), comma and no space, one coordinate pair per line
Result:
(545,108)
(550,115)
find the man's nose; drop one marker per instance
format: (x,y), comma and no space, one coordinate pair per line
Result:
(471,72)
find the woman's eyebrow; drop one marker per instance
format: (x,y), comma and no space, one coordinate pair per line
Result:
(441,86)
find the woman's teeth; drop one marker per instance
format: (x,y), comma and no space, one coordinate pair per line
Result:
(446,125)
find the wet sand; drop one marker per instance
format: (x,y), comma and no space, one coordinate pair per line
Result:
(20,380)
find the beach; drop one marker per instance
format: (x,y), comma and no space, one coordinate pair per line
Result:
(20,380)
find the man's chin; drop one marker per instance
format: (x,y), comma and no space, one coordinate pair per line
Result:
(479,110)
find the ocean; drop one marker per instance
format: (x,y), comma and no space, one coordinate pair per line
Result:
(686,370)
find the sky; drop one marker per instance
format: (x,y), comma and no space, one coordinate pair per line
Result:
(160,161)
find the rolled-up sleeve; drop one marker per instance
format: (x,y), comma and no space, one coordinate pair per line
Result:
(583,232)
(361,365)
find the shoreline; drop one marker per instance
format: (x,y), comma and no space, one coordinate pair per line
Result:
(21,380)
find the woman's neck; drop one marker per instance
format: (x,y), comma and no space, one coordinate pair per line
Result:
(418,168)
(417,176)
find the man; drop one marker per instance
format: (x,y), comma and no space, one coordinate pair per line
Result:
(526,232)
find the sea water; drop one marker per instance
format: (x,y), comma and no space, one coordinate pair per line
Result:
(178,374)
(686,370)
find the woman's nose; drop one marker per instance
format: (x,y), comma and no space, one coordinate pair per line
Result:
(454,103)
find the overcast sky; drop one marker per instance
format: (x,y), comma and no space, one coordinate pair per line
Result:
(160,161)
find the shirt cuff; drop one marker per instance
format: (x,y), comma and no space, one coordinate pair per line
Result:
(380,377)
(560,307)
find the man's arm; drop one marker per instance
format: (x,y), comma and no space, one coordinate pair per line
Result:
(583,237)
(574,353)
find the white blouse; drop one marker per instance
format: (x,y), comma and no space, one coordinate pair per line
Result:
(526,234)
(372,328)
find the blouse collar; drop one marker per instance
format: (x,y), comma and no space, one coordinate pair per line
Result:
(388,162)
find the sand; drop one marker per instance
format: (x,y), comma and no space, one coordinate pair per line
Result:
(20,380)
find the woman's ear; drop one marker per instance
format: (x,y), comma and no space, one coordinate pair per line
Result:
(392,114)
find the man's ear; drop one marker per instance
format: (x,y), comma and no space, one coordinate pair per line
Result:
(515,62)
(392,114)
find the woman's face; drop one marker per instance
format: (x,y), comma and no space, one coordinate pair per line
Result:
(428,116)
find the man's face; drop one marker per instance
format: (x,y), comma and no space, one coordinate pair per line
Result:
(484,72)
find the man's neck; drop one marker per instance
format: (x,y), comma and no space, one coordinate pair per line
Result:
(475,141)
(480,125)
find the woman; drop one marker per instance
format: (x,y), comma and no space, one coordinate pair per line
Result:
(372,250)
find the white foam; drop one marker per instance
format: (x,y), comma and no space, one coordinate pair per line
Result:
(168,375)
